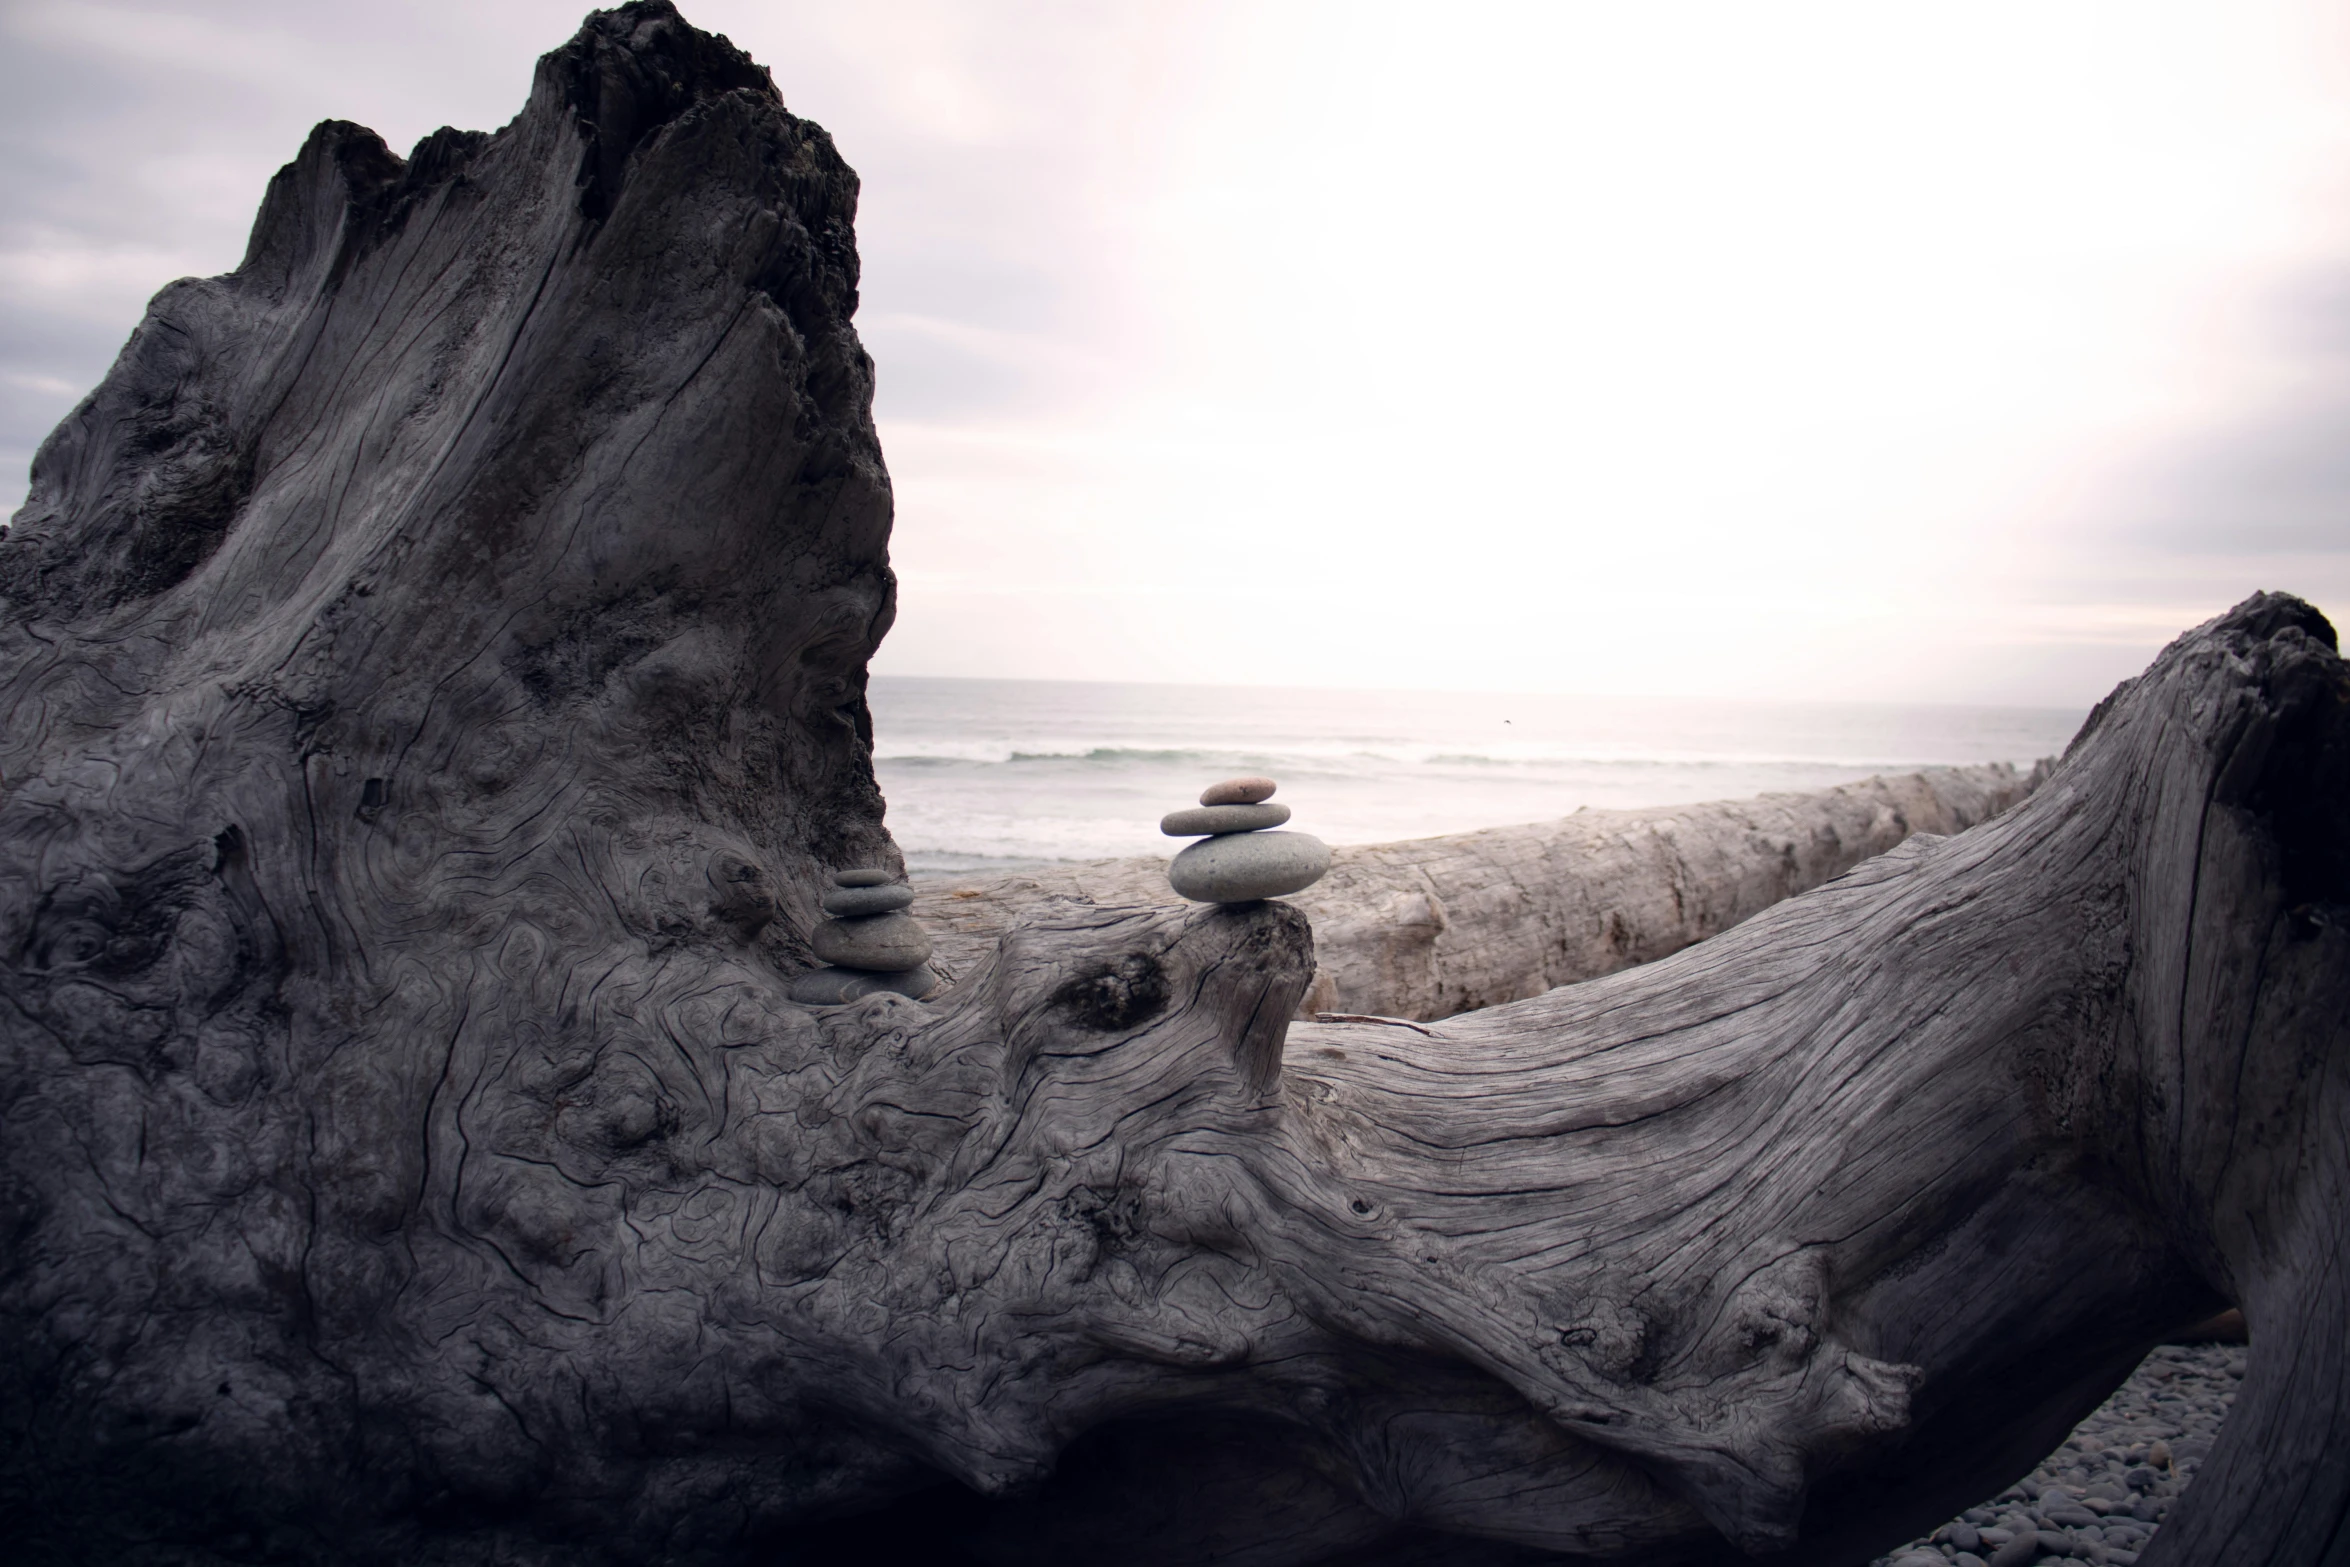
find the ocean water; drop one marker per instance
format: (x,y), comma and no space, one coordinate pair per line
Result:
(1003,774)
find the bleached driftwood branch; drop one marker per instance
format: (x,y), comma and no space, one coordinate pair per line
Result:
(429,708)
(1429,927)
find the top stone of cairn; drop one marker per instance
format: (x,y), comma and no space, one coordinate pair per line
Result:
(870,877)
(1237,791)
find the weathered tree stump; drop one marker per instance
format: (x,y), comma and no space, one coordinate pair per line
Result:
(431,691)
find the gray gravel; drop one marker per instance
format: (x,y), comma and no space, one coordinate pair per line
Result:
(2100,1497)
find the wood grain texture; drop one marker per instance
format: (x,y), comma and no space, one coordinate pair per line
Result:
(1433,926)
(429,713)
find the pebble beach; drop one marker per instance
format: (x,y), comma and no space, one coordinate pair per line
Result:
(2100,1498)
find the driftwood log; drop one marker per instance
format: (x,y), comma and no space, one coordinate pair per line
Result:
(429,702)
(1433,926)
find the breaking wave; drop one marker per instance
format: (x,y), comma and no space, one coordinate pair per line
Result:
(986,774)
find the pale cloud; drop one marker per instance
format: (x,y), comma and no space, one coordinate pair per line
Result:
(1813,349)
(260,56)
(53,272)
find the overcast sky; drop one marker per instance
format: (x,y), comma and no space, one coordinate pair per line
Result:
(1875,350)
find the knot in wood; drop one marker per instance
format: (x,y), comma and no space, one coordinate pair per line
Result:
(1114,995)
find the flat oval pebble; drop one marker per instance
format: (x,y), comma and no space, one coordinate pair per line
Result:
(1237,791)
(1207,819)
(1242,867)
(829,987)
(868,900)
(871,876)
(885,942)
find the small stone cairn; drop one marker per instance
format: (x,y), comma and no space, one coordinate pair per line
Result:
(871,942)
(1238,860)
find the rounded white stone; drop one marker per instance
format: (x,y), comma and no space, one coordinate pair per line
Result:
(1242,867)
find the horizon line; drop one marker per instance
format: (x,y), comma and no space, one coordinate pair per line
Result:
(1726,700)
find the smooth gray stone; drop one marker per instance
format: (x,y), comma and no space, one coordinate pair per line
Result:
(1201,821)
(829,987)
(1242,867)
(1237,791)
(887,942)
(851,901)
(870,876)
(1961,1536)
(2016,1552)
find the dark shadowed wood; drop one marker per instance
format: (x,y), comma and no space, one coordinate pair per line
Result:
(429,707)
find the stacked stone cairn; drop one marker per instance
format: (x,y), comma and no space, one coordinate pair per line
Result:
(871,942)
(1239,859)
